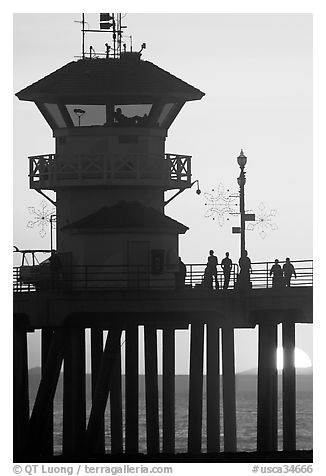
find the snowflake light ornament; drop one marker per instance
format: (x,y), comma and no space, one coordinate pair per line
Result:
(264,220)
(42,217)
(220,204)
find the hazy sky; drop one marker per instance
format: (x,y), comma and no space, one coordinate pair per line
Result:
(256,73)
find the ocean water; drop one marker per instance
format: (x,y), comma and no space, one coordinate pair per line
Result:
(246,413)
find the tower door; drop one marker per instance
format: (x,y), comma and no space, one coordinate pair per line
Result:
(138,264)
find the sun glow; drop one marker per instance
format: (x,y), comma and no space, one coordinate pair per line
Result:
(301,359)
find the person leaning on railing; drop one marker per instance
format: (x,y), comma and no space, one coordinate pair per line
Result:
(245,270)
(277,273)
(288,271)
(226,265)
(211,270)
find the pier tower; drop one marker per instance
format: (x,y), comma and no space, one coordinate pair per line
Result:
(110,118)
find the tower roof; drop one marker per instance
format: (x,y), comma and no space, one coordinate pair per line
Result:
(95,79)
(126,215)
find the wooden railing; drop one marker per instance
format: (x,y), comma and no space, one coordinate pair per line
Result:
(51,171)
(97,277)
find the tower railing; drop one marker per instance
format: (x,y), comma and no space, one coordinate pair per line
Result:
(52,170)
(113,277)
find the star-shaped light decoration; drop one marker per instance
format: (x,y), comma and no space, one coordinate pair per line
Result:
(264,220)
(220,204)
(42,217)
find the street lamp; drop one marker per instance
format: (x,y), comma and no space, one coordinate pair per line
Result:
(242,160)
(79,113)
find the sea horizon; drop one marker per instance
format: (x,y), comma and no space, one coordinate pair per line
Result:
(246,411)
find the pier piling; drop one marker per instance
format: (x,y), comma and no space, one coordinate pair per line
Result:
(96,357)
(267,388)
(289,388)
(116,408)
(168,390)
(131,394)
(195,388)
(47,445)
(151,389)
(21,396)
(229,401)
(213,388)
(103,384)
(74,396)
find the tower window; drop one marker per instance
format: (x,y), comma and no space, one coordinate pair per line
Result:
(167,108)
(55,113)
(87,115)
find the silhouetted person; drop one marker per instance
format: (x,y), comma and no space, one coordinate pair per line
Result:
(123,120)
(120,118)
(207,279)
(277,273)
(211,270)
(56,268)
(288,271)
(180,275)
(226,265)
(245,270)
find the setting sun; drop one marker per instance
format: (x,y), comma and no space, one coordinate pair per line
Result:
(301,359)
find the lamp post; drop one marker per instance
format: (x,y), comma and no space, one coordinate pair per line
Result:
(79,113)
(242,160)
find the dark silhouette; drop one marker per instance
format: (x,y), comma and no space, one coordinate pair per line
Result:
(226,265)
(56,269)
(245,270)
(120,118)
(123,120)
(180,275)
(288,271)
(207,279)
(211,270)
(277,273)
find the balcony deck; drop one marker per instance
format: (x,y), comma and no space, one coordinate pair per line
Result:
(50,172)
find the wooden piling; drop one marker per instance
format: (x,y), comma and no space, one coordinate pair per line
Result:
(47,444)
(151,390)
(20,391)
(213,388)
(103,386)
(45,394)
(96,357)
(288,387)
(267,388)
(131,392)
(74,392)
(229,398)
(116,408)
(195,388)
(168,390)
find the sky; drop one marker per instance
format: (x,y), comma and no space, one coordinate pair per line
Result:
(256,72)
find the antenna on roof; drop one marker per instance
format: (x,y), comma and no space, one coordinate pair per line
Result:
(109,23)
(83,35)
